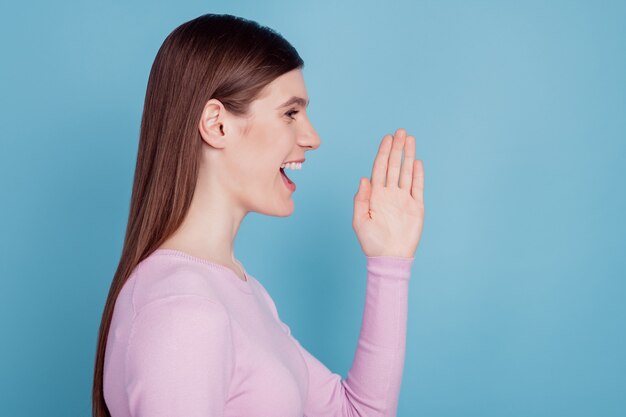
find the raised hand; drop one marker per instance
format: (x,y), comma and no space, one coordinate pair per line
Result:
(388,218)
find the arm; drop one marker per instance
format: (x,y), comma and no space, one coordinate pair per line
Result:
(179,358)
(372,386)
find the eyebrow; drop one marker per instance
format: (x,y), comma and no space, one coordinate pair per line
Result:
(295,100)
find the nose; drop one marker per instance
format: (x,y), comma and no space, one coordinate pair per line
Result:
(310,138)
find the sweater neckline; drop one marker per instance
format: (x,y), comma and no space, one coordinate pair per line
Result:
(245,286)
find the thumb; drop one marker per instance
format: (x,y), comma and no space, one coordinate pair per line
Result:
(362,200)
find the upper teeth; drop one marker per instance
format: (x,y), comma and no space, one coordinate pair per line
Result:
(292,165)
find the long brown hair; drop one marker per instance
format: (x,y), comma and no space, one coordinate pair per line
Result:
(219,56)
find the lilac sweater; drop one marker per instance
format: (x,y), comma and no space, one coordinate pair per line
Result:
(189,338)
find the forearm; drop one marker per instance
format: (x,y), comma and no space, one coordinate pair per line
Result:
(373,382)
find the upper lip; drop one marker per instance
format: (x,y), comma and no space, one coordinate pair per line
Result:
(295,160)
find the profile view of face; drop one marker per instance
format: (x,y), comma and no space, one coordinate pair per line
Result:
(245,155)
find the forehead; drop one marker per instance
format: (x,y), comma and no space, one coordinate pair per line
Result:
(284,88)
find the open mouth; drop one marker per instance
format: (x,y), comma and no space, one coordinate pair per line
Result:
(282,172)
(297,165)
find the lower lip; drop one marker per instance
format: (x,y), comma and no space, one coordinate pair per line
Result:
(288,183)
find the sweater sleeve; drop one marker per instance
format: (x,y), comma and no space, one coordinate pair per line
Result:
(179,358)
(372,386)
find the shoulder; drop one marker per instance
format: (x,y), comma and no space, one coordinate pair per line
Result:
(161,278)
(173,341)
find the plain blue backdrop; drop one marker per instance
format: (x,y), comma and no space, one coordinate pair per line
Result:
(519,109)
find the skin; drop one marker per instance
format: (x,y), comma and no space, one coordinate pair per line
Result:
(388,215)
(239,173)
(239,169)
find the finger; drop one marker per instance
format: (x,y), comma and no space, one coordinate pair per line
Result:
(395,158)
(379,170)
(417,188)
(406,174)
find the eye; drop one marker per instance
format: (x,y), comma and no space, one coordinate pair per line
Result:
(290,112)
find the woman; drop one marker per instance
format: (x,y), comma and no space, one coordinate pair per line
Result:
(186,331)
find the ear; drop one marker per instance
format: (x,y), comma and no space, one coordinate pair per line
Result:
(211,125)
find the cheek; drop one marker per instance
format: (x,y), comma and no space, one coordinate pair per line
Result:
(267,153)
(257,168)
(264,148)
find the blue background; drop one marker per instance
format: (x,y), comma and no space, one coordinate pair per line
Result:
(519,110)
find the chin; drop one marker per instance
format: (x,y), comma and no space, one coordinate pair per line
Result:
(284,211)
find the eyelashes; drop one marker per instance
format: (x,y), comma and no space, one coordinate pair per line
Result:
(290,112)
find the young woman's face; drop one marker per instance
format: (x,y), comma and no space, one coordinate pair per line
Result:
(275,133)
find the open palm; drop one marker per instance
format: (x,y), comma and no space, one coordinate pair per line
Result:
(388,217)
